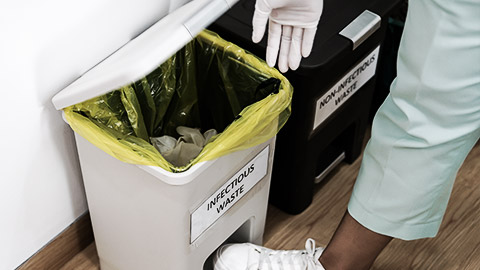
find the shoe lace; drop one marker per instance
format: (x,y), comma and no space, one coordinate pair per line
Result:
(305,259)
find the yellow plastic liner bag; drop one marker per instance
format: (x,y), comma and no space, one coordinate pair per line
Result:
(210,83)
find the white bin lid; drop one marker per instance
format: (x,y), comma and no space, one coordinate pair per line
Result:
(143,54)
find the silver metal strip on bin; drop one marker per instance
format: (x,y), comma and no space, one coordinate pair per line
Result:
(361,28)
(330,168)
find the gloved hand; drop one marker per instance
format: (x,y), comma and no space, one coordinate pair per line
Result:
(293,22)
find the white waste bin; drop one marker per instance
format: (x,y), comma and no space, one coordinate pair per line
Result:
(145,217)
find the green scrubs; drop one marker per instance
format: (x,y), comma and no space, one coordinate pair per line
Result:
(428,124)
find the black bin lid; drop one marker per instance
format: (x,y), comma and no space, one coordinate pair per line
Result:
(329,44)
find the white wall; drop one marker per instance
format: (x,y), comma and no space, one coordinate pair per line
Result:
(44,46)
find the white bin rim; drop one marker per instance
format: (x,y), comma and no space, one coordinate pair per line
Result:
(144,53)
(177,179)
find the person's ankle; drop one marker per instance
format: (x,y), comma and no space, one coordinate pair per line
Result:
(334,261)
(328,261)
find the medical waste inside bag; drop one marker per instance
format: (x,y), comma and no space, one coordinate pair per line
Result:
(208,84)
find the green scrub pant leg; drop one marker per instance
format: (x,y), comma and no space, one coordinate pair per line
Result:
(427,125)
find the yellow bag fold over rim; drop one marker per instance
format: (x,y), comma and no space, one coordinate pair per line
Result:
(256,123)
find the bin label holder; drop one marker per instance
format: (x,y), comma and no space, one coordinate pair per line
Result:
(345,87)
(229,194)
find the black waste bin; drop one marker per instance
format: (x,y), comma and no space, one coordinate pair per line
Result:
(333,92)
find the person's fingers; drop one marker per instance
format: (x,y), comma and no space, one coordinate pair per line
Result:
(260,18)
(274,35)
(285,48)
(308,38)
(294,55)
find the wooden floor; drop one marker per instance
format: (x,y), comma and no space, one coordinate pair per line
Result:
(457,245)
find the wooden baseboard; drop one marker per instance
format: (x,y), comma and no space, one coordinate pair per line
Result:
(63,248)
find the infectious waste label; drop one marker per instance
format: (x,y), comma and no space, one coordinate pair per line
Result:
(230,193)
(345,87)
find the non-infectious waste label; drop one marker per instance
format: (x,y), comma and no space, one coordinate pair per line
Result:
(346,87)
(229,194)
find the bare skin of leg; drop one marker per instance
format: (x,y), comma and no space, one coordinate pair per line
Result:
(353,246)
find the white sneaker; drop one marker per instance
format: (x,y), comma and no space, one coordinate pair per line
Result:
(252,257)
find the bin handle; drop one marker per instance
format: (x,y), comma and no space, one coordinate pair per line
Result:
(362,28)
(212,9)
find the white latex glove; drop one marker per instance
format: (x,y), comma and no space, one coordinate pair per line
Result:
(293,23)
